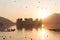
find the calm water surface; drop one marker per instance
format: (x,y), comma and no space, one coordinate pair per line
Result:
(43,34)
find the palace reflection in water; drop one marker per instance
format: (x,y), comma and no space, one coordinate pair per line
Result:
(40,34)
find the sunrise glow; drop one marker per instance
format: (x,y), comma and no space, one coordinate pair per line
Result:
(43,13)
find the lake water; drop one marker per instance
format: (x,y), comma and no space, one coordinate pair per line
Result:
(43,34)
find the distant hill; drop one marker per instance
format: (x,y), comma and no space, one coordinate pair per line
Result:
(52,21)
(5,23)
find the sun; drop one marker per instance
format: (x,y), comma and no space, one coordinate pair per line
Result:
(43,13)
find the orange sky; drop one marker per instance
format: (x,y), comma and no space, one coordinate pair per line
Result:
(13,9)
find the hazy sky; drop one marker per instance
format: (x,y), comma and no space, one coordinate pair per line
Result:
(13,9)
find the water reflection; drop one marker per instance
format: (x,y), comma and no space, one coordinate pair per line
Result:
(42,32)
(39,34)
